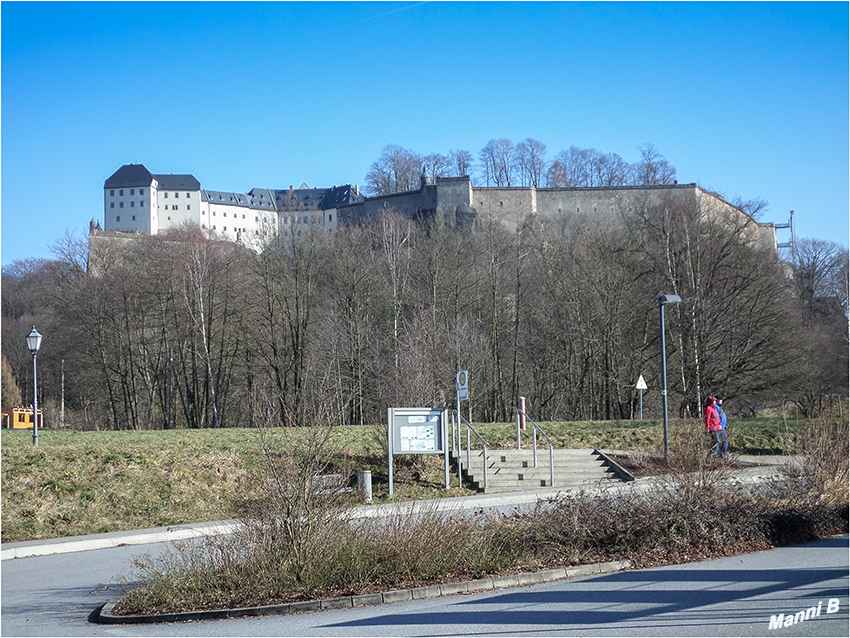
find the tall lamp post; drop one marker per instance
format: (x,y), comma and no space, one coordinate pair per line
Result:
(665,299)
(34,343)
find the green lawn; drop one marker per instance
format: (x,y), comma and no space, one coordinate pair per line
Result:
(78,483)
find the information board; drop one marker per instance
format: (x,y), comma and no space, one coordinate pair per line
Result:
(417,431)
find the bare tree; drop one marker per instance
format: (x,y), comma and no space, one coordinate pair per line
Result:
(396,171)
(820,273)
(652,168)
(497,162)
(531,162)
(438,165)
(285,296)
(755,207)
(729,330)
(461,163)
(395,234)
(10,390)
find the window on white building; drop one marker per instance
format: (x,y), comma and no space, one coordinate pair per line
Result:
(134,218)
(141,204)
(118,219)
(120,204)
(165,195)
(132,191)
(132,204)
(111,204)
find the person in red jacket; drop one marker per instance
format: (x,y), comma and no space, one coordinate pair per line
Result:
(712,425)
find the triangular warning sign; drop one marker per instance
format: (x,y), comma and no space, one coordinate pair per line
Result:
(641,384)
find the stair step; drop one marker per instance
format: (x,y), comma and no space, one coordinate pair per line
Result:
(513,470)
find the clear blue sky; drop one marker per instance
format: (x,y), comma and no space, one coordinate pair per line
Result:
(747,99)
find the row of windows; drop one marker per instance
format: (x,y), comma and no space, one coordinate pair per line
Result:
(142,193)
(235,215)
(121,204)
(188,207)
(224,229)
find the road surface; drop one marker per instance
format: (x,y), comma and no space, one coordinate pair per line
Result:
(738,596)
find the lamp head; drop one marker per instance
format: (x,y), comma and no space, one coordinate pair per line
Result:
(668,299)
(34,340)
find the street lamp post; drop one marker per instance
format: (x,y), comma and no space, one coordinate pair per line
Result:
(665,299)
(34,343)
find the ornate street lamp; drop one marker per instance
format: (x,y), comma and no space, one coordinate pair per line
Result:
(665,299)
(34,343)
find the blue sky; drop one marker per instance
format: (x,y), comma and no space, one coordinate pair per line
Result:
(747,99)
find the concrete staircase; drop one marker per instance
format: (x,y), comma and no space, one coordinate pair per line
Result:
(514,471)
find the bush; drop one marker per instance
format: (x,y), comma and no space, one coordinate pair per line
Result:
(821,470)
(298,543)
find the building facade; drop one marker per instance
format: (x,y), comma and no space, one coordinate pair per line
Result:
(457,200)
(137,201)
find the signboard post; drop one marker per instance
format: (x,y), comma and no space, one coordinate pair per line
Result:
(641,385)
(462,389)
(417,431)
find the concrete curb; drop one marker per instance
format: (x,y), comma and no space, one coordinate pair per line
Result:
(52,546)
(106,616)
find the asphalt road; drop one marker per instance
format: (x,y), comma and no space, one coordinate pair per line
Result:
(55,595)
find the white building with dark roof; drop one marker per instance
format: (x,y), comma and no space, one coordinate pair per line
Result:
(138,201)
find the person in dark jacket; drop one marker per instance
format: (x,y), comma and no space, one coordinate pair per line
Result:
(724,435)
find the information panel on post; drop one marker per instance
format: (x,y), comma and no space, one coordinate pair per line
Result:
(417,431)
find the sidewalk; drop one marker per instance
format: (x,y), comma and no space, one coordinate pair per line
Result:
(757,469)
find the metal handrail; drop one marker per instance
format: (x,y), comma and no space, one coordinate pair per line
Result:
(458,446)
(534,439)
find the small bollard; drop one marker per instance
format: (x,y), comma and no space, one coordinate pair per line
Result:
(364,484)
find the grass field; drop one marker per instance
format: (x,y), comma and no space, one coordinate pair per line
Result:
(79,483)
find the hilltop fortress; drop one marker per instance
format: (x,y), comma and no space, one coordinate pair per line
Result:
(137,201)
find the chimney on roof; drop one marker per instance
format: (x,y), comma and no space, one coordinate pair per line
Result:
(290,188)
(675,182)
(357,189)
